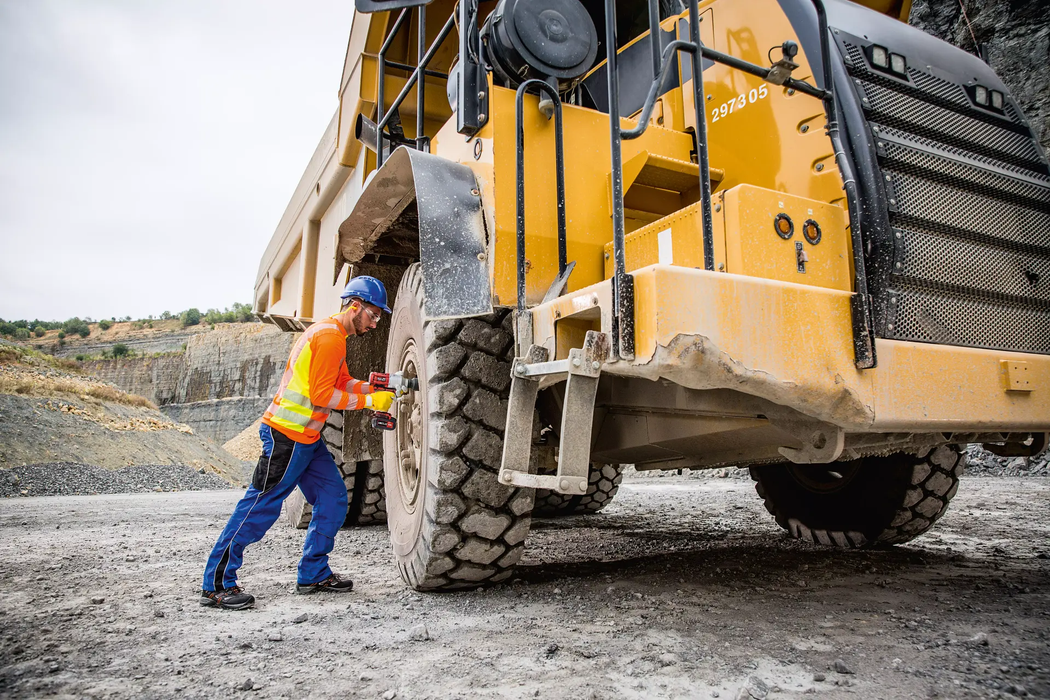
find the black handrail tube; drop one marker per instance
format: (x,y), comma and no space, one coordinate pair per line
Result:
(421,42)
(381,123)
(401,17)
(381,77)
(559,159)
(654,89)
(863,342)
(701,138)
(415,75)
(760,72)
(619,265)
(405,67)
(654,35)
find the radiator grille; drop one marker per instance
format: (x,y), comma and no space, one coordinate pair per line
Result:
(968,200)
(938,317)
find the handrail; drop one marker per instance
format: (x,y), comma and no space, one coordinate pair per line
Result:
(382,115)
(559,159)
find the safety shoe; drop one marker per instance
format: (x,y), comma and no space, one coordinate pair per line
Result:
(233,598)
(334,583)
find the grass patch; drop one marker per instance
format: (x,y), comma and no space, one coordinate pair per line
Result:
(21,375)
(11,354)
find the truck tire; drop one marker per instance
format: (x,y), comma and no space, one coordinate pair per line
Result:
(868,502)
(452,524)
(603,483)
(364,485)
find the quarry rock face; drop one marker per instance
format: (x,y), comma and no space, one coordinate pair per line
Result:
(1013,36)
(144,344)
(218,386)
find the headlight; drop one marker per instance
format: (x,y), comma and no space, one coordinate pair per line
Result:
(898,64)
(880,56)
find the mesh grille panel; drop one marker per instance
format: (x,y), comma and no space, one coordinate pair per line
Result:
(930,144)
(968,211)
(933,316)
(966,260)
(952,172)
(940,88)
(1020,277)
(912,115)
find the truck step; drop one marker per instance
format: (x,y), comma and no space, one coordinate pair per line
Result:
(581,370)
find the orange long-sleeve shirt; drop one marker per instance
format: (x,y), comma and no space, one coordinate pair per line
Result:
(316,381)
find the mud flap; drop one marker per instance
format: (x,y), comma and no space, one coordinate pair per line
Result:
(445,230)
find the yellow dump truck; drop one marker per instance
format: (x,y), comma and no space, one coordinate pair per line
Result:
(838,277)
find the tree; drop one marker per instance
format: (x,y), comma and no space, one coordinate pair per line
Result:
(105,324)
(61,335)
(166,316)
(22,333)
(121,350)
(39,331)
(75,325)
(191,317)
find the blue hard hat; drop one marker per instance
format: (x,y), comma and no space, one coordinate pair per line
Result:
(367,289)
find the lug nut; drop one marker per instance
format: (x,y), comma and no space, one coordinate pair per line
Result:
(576,362)
(596,364)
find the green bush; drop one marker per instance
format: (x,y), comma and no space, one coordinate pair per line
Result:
(7,328)
(22,333)
(81,357)
(190,317)
(61,335)
(105,324)
(76,325)
(39,331)
(121,350)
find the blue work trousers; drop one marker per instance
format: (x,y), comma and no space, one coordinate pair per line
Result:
(284,464)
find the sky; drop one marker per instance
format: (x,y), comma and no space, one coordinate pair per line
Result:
(148,148)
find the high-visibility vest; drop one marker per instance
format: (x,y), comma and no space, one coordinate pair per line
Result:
(294,411)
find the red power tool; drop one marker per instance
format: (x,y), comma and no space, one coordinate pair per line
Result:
(397,383)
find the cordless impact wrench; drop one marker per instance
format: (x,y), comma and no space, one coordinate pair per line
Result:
(400,385)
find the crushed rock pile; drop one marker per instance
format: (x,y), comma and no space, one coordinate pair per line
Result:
(246,445)
(71,479)
(984,463)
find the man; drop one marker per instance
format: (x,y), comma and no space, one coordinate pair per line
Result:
(315,382)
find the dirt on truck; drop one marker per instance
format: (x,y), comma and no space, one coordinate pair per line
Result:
(838,277)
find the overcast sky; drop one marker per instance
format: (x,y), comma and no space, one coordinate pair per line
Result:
(148,147)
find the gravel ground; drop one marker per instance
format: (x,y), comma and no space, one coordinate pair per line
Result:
(683,588)
(71,479)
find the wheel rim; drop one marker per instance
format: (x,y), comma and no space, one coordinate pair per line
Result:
(824,478)
(408,434)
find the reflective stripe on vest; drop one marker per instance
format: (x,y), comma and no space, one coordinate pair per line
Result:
(291,408)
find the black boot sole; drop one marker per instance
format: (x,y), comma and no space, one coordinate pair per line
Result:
(207,602)
(310,590)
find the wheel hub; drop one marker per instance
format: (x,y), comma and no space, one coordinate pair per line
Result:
(824,478)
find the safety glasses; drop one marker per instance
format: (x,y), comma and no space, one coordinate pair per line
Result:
(375,316)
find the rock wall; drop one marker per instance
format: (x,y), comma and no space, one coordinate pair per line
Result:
(218,386)
(1014,38)
(158,342)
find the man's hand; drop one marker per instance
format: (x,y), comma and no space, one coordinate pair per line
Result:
(379,401)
